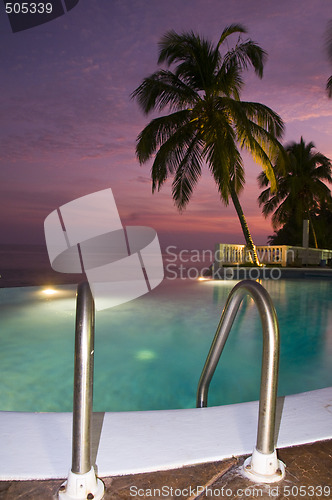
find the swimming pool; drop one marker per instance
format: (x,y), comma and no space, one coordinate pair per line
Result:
(149,352)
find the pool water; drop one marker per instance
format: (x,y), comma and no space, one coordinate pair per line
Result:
(149,353)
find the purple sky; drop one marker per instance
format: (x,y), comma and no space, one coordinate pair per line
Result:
(68,126)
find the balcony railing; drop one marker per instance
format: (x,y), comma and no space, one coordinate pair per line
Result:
(284,255)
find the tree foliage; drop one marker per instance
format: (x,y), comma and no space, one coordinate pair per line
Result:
(329,54)
(301,194)
(207,122)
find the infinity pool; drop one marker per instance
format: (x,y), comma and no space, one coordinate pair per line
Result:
(149,353)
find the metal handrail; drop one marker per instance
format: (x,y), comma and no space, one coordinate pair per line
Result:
(82,482)
(83,379)
(270,362)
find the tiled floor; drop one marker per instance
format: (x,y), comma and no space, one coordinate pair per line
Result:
(308,475)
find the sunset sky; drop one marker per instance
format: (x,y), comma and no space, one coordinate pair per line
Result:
(68,126)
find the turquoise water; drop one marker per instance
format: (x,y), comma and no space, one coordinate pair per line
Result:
(149,353)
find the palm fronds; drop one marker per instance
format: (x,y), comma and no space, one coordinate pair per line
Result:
(207,123)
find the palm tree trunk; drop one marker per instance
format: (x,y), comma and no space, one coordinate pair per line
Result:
(245,229)
(313,231)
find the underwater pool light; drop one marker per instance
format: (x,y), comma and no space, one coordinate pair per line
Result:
(145,355)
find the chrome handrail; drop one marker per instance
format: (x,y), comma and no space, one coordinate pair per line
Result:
(271,345)
(82,482)
(83,379)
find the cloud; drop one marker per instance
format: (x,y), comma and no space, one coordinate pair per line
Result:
(143,180)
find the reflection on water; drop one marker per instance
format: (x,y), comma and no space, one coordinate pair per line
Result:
(304,309)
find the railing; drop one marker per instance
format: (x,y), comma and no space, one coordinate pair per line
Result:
(275,254)
(229,254)
(281,254)
(263,465)
(285,255)
(82,482)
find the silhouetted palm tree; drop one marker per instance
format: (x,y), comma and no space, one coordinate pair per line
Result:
(329,53)
(301,189)
(207,123)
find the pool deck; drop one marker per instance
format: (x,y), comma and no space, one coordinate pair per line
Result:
(308,472)
(187,447)
(38,445)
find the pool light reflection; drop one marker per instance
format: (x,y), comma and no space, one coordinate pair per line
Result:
(214,282)
(56,294)
(49,291)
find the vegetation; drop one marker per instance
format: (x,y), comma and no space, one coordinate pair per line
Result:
(329,53)
(207,123)
(301,194)
(291,232)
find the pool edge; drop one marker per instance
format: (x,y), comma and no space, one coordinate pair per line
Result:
(38,445)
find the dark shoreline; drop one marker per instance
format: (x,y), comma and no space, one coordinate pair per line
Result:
(21,278)
(28,265)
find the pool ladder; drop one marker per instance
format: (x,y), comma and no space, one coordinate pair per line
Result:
(263,465)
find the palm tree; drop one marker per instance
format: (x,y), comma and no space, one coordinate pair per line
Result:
(207,123)
(291,233)
(301,190)
(329,53)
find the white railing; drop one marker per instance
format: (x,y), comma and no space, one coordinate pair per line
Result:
(229,254)
(283,255)
(279,254)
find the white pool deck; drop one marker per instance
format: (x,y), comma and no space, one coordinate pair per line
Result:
(38,445)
